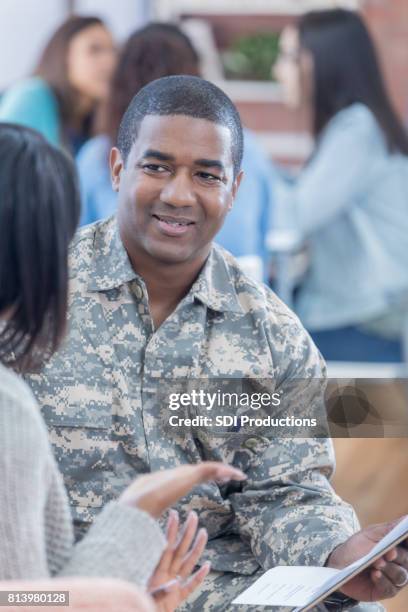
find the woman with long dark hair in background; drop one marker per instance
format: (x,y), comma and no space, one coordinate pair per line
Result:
(350,203)
(39,211)
(70,80)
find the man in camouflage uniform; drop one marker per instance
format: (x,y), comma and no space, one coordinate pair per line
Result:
(151,300)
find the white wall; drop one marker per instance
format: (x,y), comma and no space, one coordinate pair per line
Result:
(169,9)
(26,25)
(122,16)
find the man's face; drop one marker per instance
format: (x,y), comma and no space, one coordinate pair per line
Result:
(175,189)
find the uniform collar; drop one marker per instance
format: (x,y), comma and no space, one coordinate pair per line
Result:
(216,286)
(111,268)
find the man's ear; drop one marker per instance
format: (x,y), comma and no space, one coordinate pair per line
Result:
(116,167)
(235,186)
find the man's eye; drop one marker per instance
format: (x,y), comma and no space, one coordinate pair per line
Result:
(154,168)
(211,178)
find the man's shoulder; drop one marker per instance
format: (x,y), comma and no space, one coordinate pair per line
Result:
(268,320)
(86,241)
(253,296)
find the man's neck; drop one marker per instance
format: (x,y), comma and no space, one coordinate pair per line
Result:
(166,284)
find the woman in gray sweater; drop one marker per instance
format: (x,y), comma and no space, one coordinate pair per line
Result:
(39,210)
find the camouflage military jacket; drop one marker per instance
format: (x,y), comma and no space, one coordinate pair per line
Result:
(100,393)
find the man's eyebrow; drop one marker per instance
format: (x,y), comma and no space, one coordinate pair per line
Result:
(158,155)
(210,163)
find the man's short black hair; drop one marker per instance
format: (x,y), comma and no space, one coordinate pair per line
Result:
(182,95)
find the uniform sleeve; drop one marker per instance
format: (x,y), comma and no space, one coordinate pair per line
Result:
(32,104)
(338,173)
(288,512)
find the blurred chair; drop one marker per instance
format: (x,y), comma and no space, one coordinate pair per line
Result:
(252,265)
(288,260)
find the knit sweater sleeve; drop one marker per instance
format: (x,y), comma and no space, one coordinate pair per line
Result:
(23,473)
(122,543)
(35,522)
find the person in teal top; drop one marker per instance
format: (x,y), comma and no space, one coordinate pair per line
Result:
(32,102)
(157,50)
(350,202)
(72,77)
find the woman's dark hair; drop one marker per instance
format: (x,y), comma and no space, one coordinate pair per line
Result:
(346,70)
(39,212)
(157,50)
(53,67)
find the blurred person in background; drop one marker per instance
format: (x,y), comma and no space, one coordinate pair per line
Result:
(350,202)
(71,79)
(39,206)
(154,51)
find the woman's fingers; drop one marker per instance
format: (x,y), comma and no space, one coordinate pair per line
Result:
(173,524)
(171,535)
(195,580)
(192,558)
(211,470)
(156,492)
(175,551)
(185,541)
(182,479)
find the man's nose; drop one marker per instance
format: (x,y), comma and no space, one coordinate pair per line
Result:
(179,190)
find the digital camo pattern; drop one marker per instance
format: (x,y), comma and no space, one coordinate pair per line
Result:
(98,397)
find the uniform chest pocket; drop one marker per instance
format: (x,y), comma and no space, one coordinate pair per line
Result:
(79,417)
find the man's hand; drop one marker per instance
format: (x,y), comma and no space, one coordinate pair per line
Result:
(385,577)
(156,492)
(177,563)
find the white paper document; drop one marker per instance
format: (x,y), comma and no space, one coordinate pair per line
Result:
(301,587)
(285,586)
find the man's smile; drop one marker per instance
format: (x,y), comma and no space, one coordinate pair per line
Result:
(173,225)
